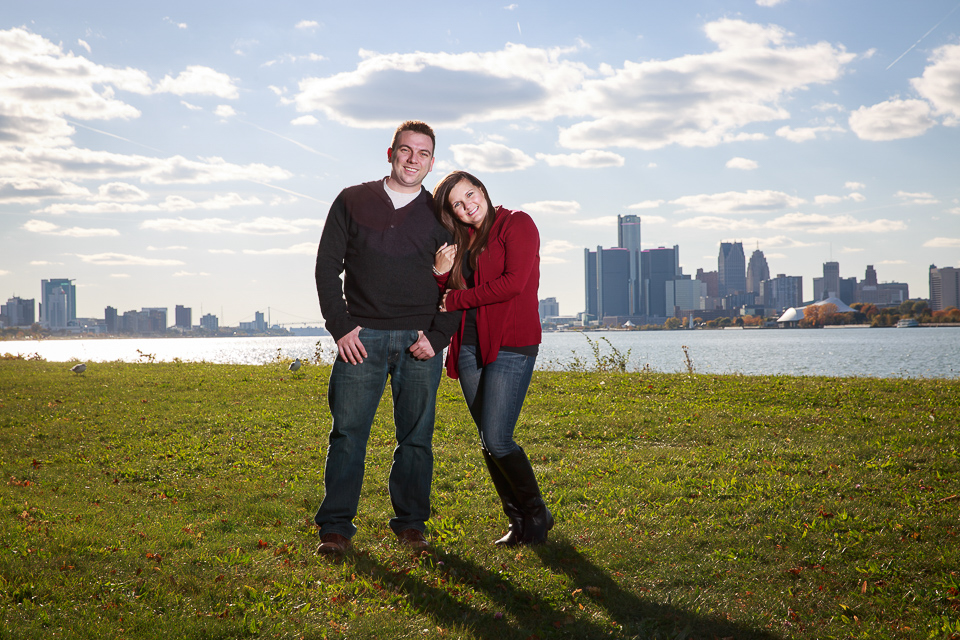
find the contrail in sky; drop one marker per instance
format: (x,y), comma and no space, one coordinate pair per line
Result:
(299,144)
(112,135)
(922,37)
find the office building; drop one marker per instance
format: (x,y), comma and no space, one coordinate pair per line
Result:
(183,317)
(606,282)
(944,288)
(110,320)
(782,292)
(684,294)
(628,237)
(658,266)
(258,324)
(757,271)
(867,288)
(210,323)
(829,286)
(732,269)
(58,302)
(155,320)
(549,307)
(18,312)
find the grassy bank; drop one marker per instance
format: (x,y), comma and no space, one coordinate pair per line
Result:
(176,501)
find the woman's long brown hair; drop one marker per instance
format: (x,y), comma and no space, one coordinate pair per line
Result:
(460,231)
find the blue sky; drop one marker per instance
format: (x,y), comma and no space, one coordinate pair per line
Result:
(187,153)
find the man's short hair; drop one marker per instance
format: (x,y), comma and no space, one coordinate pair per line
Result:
(416,126)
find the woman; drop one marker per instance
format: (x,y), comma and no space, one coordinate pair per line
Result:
(492,272)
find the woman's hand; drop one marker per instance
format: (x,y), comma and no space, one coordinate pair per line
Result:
(443,302)
(443,260)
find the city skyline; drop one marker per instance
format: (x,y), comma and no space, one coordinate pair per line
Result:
(187,154)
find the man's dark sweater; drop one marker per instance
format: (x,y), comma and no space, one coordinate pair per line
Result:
(387,255)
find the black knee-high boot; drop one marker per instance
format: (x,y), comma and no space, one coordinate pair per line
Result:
(537,519)
(510,505)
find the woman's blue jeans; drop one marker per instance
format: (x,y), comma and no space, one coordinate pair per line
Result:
(494,394)
(354,393)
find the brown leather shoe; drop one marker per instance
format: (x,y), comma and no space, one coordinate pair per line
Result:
(333,544)
(413,538)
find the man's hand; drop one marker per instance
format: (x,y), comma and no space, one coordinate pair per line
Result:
(350,348)
(422,349)
(443,302)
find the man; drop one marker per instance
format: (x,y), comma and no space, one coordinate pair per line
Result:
(382,236)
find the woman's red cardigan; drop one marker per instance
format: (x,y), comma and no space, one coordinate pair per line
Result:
(505,296)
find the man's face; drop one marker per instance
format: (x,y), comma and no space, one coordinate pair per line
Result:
(410,162)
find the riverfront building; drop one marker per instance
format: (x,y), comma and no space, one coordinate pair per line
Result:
(944,287)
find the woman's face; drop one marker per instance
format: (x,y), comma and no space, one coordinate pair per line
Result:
(468,203)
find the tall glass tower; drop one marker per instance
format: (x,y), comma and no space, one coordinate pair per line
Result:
(628,237)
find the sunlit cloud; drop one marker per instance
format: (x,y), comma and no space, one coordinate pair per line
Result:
(892,120)
(646,204)
(590,159)
(307,24)
(190,274)
(50,229)
(261,226)
(730,202)
(939,83)
(200,80)
(304,248)
(742,163)
(115,259)
(169,204)
(805,134)
(562,207)
(821,224)
(603,221)
(943,243)
(490,157)
(916,198)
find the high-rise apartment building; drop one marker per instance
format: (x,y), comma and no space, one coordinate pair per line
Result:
(628,237)
(183,317)
(782,292)
(18,312)
(606,278)
(658,266)
(58,302)
(210,322)
(110,320)
(944,288)
(732,269)
(156,320)
(757,271)
(549,308)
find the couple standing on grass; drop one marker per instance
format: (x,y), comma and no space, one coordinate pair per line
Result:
(392,317)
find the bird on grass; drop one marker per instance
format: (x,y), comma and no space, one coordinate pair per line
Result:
(79,368)
(295,365)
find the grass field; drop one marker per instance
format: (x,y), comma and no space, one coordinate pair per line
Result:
(176,501)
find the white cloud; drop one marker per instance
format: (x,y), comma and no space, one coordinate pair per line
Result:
(940,83)
(179,25)
(200,80)
(29,190)
(490,156)
(4,272)
(260,226)
(552,247)
(892,120)
(191,107)
(85,45)
(695,100)
(50,229)
(821,224)
(822,200)
(916,198)
(714,223)
(113,259)
(551,207)
(856,186)
(307,24)
(222,251)
(225,111)
(653,220)
(188,274)
(769,3)
(590,159)
(742,163)
(804,134)
(604,221)
(943,243)
(304,120)
(752,201)
(170,204)
(119,275)
(851,250)
(646,204)
(171,248)
(304,248)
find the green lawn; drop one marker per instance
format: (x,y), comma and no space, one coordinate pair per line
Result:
(176,501)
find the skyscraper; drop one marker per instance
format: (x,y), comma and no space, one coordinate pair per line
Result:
(58,302)
(783,292)
(183,317)
(757,271)
(731,266)
(628,237)
(831,280)
(606,277)
(944,287)
(658,266)
(18,312)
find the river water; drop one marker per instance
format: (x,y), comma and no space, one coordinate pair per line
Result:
(925,352)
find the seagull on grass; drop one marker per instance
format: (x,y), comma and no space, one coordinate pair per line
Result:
(295,365)
(79,368)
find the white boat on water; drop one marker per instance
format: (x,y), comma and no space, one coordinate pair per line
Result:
(906,323)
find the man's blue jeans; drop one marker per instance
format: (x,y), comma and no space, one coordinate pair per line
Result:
(354,393)
(494,394)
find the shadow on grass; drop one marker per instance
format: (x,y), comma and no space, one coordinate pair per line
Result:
(512,609)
